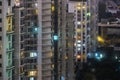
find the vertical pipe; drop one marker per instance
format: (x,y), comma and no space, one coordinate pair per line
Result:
(56,41)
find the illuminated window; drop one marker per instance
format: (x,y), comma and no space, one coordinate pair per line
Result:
(88,14)
(52,8)
(33,54)
(78,30)
(17,2)
(78,49)
(79,41)
(78,23)
(22,55)
(55,37)
(36,4)
(32,78)
(78,45)
(84,7)
(36,29)
(78,56)
(32,73)
(78,7)
(36,11)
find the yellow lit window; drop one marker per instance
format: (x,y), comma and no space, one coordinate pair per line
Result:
(32,73)
(36,11)
(52,65)
(78,30)
(66,57)
(78,7)
(84,7)
(17,3)
(53,8)
(100,39)
(22,55)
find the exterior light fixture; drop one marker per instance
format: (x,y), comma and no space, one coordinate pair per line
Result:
(55,37)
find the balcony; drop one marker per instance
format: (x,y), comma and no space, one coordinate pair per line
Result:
(10,31)
(10,67)
(10,49)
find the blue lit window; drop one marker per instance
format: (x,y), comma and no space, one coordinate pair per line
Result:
(36,29)
(55,37)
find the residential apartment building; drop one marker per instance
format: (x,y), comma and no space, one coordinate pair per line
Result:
(85,28)
(26,38)
(6,40)
(33,44)
(81,11)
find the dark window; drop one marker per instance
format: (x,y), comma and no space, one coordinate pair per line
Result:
(9,2)
(0,28)
(0,56)
(0,11)
(0,74)
(29,29)
(0,3)
(0,65)
(0,37)
(0,19)
(21,46)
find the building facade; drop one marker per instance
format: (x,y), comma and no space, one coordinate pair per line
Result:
(6,40)
(81,11)
(33,33)
(26,38)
